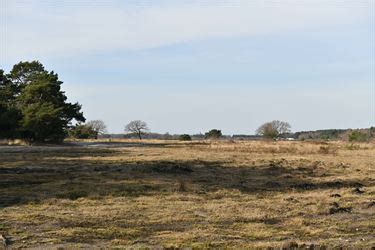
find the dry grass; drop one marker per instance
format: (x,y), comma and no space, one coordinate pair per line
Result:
(127,193)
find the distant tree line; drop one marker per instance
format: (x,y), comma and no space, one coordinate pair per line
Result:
(34,108)
(356,135)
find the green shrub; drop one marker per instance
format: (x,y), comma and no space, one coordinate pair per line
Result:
(358,136)
(184,137)
(372,132)
(82,131)
(213,134)
(72,194)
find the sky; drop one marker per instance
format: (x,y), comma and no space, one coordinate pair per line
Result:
(190,66)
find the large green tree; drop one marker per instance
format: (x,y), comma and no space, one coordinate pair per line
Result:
(10,116)
(37,96)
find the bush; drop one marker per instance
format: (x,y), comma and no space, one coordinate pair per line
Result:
(358,136)
(372,132)
(82,131)
(184,137)
(327,149)
(353,147)
(213,134)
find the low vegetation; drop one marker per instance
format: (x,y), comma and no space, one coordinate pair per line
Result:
(200,194)
(213,134)
(358,136)
(184,137)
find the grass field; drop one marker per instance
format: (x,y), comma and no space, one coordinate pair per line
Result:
(188,194)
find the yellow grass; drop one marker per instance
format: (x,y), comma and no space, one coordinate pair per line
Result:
(200,194)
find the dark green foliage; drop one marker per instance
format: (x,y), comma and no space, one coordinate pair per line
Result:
(10,116)
(330,134)
(9,122)
(32,106)
(213,134)
(372,132)
(357,136)
(82,131)
(327,134)
(184,137)
(7,88)
(24,72)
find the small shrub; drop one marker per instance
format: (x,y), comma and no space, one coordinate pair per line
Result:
(325,137)
(372,132)
(353,147)
(72,195)
(358,136)
(184,137)
(83,131)
(181,186)
(327,150)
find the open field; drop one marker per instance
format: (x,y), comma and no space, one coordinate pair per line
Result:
(188,194)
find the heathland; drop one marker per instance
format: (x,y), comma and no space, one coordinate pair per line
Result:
(154,193)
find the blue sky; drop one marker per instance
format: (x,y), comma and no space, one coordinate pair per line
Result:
(189,66)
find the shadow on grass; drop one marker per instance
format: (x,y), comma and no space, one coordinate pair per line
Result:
(119,144)
(36,180)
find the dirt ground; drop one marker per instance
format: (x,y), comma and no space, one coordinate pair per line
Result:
(200,194)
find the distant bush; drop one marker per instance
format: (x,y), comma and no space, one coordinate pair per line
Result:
(213,134)
(372,132)
(184,137)
(72,194)
(357,136)
(353,147)
(273,129)
(328,149)
(82,131)
(181,186)
(325,137)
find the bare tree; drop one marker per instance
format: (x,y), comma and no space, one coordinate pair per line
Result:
(138,127)
(98,126)
(273,129)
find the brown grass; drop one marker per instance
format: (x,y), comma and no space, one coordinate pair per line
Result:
(200,194)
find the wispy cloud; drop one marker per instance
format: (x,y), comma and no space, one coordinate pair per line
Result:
(65,28)
(190,66)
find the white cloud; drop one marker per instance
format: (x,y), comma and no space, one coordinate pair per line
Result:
(50,29)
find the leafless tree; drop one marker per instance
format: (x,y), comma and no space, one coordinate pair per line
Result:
(138,127)
(273,129)
(98,126)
